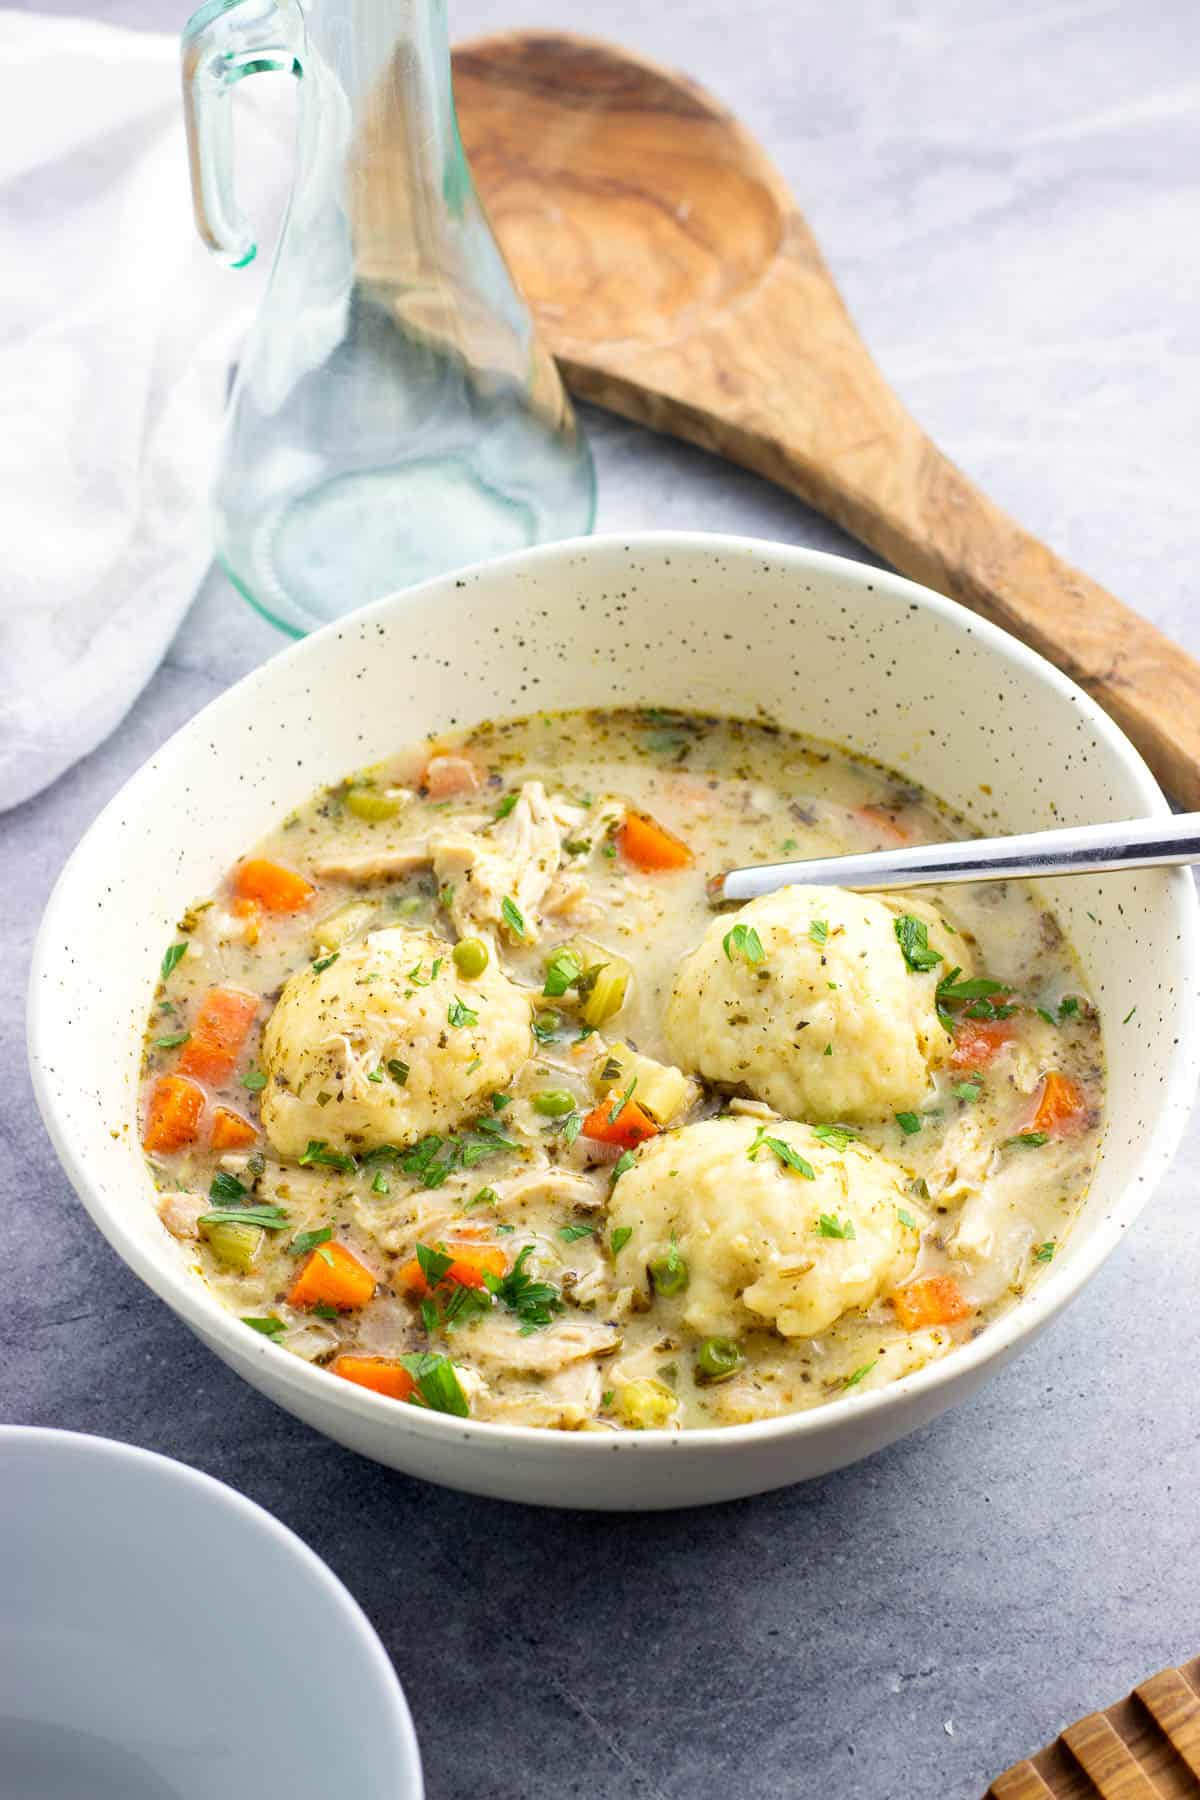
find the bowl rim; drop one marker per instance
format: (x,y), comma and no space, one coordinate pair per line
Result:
(187,1295)
(53,1445)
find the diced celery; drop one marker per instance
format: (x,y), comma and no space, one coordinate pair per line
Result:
(606,995)
(662,1089)
(341,926)
(646,1405)
(373,804)
(237,1246)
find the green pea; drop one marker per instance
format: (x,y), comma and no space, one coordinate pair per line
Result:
(669,1273)
(554,1102)
(470,957)
(717,1359)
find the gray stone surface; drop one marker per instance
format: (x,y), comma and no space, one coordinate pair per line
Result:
(1006,192)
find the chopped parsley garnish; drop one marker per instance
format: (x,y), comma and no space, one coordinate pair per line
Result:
(622,1165)
(860,1374)
(974,997)
(906,1218)
(828,1050)
(317,1152)
(912,935)
(791,1159)
(326,962)
(838,1137)
(506,805)
(828,1225)
(437,1383)
(1044,1253)
(620,1238)
(375,1075)
(226,1187)
(458,1014)
(818,930)
(562,972)
(623,1102)
(534,1302)
(1129,1015)
(570,1234)
(254,1080)
(267,1218)
(1026,1140)
(398,1071)
(1043,1013)
(513,917)
(304,1241)
(172,960)
(435,1265)
(173,1042)
(909,1123)
(967,1090)
(270,1326)
(381,1184)
(484,1196)
(433,1158)
(745,942)
(500,1101)
(1068,1007)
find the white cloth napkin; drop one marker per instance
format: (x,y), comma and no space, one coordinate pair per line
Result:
(116,336)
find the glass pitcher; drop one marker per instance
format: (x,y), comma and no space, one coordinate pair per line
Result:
(394,414)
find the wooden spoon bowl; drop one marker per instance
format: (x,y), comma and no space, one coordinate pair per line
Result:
(677,282)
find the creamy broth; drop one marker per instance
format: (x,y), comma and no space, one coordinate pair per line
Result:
(580,1208)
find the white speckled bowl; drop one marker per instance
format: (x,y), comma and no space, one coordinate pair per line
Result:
(823,645)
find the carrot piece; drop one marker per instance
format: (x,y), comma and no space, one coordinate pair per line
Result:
(173,1115)
(471,1263)
(648,845)
(1062,1109)
(379,1373)
(230,1131)
(447,775)
(879,819)
(332,1276)
(274,887)
(219,1033)
(631,1126)
(934,1300)
(977,1042)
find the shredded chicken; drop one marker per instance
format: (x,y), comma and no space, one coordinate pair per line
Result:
(363,867)
(568,898)
(181,1212)
(499,1341)
(567,1400)
(962,1164)
(514,859)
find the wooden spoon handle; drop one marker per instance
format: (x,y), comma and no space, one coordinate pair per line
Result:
(798,398)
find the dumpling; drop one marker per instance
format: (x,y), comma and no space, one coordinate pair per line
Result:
(831,1023)
(765,1242)
(386,1043)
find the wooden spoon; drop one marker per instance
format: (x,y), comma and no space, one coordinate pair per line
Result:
(673,276)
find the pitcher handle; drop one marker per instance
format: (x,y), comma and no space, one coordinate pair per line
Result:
(223,42)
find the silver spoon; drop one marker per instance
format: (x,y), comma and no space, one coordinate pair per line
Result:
(1073,850)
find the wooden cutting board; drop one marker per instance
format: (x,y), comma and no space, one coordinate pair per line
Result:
(676,280)
(1146,1747)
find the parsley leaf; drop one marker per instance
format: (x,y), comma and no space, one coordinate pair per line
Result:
(267,1218)
(623,1164)
(818,930)
(270,1326)
(254,1080)
(790,1158)
(906,1218)
(513,917)
(745,942)
(458,1014)
(506,805)
(226,1187)
(570,1234)
(172,959)
(967,1090)
(1068,1007)
(620,1238)
(838,1137)
(912,935)
(534,1302)
(828,1225)
(304,1241)
(319,1153)
(562,972)
(434,1264)
(326,962)
(623,1102)
(1026,1140)
(1044,1253)
(860,1374)
(909,1123)
(437,1383)
(398,1071)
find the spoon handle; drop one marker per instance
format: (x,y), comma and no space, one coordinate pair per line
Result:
(1073,850)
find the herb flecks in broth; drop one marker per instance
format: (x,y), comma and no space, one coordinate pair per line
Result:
(459,1090)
